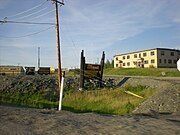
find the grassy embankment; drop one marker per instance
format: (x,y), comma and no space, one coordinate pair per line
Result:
(104,101)
(157,72)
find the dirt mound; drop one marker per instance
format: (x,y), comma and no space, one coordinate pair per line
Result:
(166,100)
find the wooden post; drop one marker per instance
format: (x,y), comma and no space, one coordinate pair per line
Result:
(102,68)
(58,44)
(81,86)
(61,92)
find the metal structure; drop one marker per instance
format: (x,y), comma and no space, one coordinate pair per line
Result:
(30,70)
(38,57)
(44,71)
(91,71)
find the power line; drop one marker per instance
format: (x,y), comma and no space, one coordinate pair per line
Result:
(41,23)
(20,13)
(22,17)
(42,14)
(31,34)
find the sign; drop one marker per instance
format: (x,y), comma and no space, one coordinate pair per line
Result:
(178,64)
(91,71)
(95,67)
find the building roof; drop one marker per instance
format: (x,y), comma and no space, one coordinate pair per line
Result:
(148,50)
(9,66)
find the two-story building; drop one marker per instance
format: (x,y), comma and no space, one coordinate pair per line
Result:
(157,57)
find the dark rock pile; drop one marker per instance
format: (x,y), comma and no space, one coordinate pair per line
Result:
(27,83)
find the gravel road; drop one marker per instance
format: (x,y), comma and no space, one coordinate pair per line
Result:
(26,121)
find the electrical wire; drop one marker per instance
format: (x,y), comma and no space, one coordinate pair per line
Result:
(42,15)
(71,39)
(22,17)
(20,13)
(31,34)
(75,49)
(41,23)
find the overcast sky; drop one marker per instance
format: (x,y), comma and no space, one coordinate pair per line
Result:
(113,26)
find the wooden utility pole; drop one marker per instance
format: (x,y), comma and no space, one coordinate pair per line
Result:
(58,41)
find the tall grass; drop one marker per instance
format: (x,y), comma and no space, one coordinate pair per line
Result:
(106,101)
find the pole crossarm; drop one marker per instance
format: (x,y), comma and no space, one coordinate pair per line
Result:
(59,2)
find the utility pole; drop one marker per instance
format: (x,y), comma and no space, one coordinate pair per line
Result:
(38,57)
(58,41)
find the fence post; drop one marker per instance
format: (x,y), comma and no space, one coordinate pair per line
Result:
(102,68)
(81,86)
(61,92)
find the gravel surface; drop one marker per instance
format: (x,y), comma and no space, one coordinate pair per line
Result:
(26,121)
(27,83)
(165,99)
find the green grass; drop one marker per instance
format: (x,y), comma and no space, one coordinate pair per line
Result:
(106,101)
(168,72)
(35,100)
(103,101)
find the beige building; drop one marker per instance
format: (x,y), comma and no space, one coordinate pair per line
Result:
(11,70)
(157,57)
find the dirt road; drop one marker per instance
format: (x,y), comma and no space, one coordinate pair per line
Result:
(17,121)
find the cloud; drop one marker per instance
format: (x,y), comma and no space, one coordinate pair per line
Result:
(107,24)
(97,25)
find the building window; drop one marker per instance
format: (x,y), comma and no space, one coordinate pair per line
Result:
(169,61)
(175,61)
(128,64)
(124,64)
(172,53)
(135,62)
(124,57)
(164,60)
(144,54)
(120,61)
(152,61)
(152,53)
(146,62)
(162,52)
(139,55)
(128,57)
(159,60)
(135,55)
(116,58)
(116,65)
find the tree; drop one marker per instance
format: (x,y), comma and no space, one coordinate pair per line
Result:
(109,64)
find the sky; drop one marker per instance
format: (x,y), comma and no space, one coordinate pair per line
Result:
(113,26)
